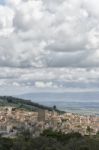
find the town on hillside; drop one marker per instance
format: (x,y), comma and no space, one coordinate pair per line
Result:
(13,120)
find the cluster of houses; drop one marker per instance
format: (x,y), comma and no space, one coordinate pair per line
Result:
(13,121)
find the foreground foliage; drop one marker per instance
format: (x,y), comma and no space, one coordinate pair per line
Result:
(50,140)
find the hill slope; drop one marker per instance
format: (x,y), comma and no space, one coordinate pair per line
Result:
(21,103)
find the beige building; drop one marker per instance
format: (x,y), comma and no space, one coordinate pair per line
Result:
(42,115)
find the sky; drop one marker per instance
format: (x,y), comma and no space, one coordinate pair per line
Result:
(49,46)
(2,1)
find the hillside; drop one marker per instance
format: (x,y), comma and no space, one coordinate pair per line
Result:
(21,103)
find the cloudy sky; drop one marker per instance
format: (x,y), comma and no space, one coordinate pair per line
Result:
(49,45)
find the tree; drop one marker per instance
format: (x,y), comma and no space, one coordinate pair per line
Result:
(54,107)
(89,130)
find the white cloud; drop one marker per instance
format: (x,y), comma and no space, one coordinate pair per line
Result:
(49,43)
(41,84)
(42,33)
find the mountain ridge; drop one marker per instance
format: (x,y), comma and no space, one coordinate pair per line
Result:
(23,103)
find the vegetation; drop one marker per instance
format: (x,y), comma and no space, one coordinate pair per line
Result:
(50,140)
(21,103)
(89,130)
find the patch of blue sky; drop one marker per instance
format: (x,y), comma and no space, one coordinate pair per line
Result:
(2,2)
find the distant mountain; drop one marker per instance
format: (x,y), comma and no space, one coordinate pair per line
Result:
(65,96)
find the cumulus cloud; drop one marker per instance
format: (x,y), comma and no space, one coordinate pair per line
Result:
(39,33)
(40,84)
(67,26)
(49,43)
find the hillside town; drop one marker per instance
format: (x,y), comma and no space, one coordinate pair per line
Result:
(13,121)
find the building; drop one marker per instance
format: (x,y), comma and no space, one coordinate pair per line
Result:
(42,115)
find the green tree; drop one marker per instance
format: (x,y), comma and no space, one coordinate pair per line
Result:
(89,130)
(54,107)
